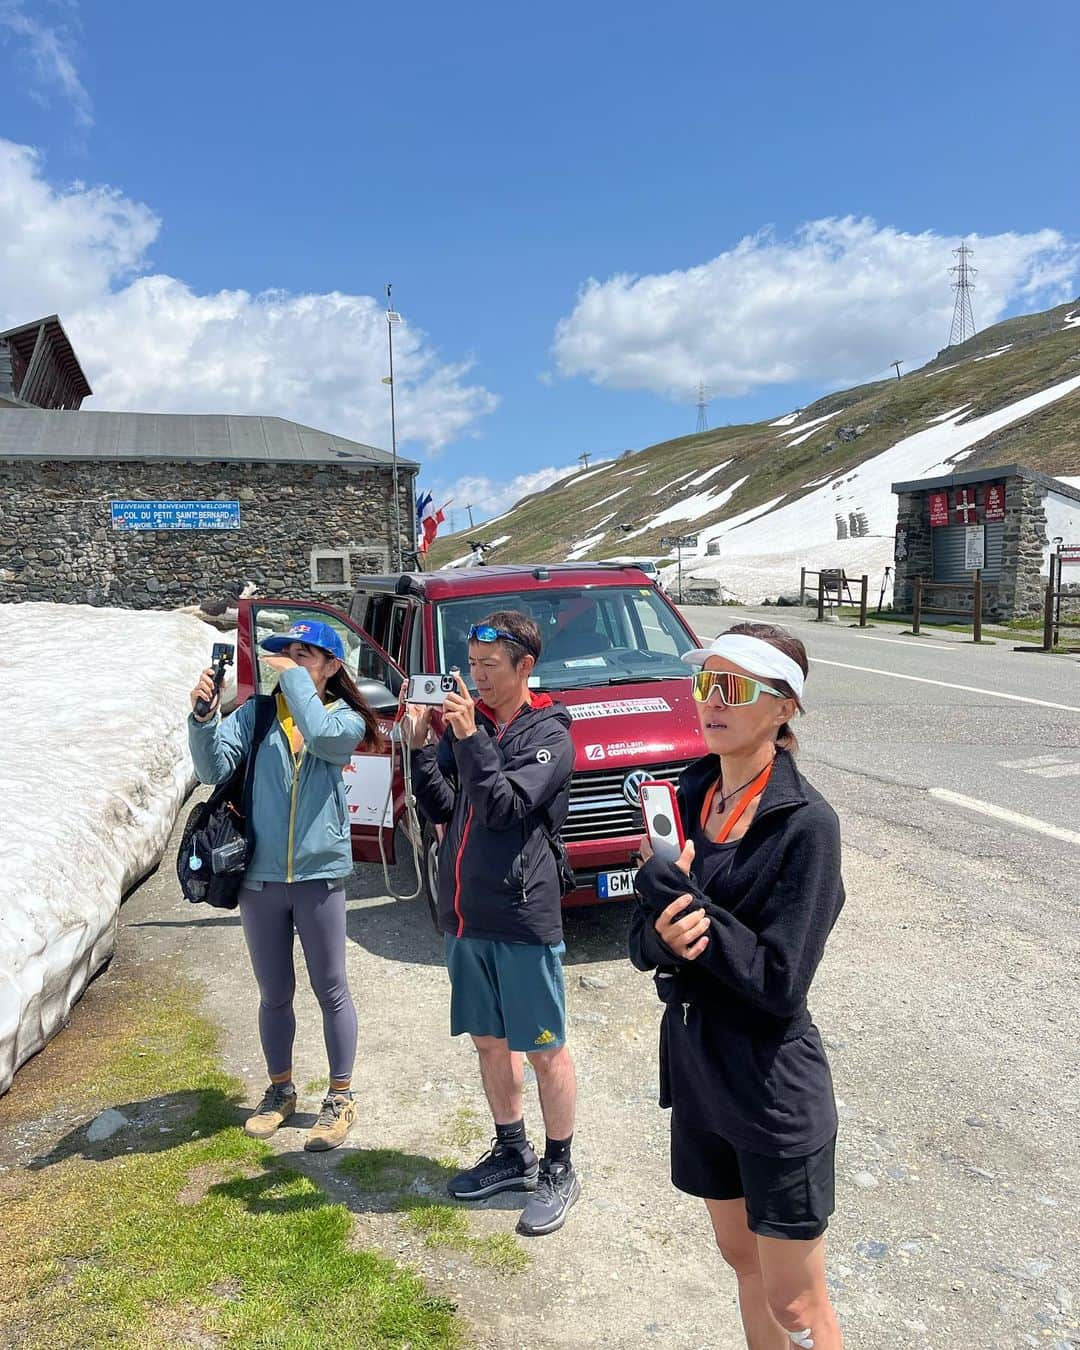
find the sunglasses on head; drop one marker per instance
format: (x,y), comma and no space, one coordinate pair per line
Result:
(736,691)
(484,632)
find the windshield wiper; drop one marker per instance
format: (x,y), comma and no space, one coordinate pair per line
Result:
(640,679)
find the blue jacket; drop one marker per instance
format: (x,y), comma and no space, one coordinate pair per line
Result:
(298,809)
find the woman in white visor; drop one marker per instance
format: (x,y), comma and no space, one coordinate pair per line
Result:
(734,932)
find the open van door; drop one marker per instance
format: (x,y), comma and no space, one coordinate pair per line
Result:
(369,777)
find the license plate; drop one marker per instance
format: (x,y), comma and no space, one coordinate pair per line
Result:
(609,885)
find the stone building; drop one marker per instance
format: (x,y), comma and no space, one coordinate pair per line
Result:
(1012,512)
(153,510)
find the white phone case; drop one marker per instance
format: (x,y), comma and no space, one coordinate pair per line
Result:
(662,823)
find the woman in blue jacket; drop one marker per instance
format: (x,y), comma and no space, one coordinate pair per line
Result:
(303,853)
(735,931)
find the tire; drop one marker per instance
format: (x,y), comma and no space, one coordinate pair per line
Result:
(429,862)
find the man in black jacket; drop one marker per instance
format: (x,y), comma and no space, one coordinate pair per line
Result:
(499,781)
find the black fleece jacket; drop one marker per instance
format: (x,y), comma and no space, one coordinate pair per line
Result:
(500,796)
(739,1052)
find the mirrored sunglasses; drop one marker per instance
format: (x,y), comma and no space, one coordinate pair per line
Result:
(735,691)
(484,632)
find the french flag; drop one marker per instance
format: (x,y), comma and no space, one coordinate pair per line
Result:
(428,520)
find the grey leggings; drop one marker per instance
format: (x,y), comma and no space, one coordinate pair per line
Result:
(317,914)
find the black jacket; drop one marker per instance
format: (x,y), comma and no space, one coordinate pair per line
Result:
(500,797)
(737,1013)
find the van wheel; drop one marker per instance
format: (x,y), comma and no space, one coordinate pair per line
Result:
(429,860)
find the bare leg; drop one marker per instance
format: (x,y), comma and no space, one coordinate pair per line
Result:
(794,1274)
(502,1071)
(557,1085)
(739,1248)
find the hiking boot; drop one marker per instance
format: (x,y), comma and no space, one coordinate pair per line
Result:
(335,1120)
(276,1107)
(556,1190)
(501,1169)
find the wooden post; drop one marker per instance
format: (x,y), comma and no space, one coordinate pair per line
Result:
(976,577)
(820,598)
(916,606)
(802,587)
(865,591)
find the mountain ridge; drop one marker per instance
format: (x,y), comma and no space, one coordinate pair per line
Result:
(709,482)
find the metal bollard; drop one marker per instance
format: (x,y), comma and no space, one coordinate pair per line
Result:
(916,606)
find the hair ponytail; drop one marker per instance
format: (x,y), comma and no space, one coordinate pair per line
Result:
(342,685)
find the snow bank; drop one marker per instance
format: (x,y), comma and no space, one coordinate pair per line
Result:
(94,766)
(753,578)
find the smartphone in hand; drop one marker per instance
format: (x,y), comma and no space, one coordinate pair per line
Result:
(663,824)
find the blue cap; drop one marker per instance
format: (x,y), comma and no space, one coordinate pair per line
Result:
(311,632)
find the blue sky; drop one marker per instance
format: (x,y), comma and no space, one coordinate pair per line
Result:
(168,167)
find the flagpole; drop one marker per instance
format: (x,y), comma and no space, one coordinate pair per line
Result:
(396,555)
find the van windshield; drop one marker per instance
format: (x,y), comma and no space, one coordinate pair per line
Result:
(592,635)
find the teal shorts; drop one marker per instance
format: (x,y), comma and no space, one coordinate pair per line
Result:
(510,990)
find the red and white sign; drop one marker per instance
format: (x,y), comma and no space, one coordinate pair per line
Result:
(994,508)
(964,506)
(1070,555)
(939,508)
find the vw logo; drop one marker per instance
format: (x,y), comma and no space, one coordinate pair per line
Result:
(631,786)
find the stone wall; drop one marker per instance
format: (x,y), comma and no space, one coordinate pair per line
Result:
(57,541)
(1020,588)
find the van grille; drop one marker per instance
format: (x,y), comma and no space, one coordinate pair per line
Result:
(598,809)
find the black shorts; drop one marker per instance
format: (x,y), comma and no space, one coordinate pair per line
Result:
(785,1197)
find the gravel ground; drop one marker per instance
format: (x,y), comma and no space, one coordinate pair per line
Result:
(947,1001)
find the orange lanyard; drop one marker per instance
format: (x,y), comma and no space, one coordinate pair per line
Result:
(756,787)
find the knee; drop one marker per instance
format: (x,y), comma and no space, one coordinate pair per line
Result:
(333,997)
(547,1061)
(277,1000)
(796,1313)
(742,1257)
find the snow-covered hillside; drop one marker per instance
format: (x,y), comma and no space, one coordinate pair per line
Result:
(93,768)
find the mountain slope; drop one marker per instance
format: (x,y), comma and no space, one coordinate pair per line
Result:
(773,489)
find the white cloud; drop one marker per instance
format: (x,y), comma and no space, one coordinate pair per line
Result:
(50,54)
(150,342)
(490,500)
(835,304)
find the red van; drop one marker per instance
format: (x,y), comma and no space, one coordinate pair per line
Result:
(612,643)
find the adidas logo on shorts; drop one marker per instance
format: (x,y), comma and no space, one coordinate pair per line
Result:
(545,1038)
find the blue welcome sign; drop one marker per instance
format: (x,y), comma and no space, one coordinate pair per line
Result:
(143,515)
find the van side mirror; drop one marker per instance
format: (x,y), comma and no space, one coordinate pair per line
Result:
(377,696)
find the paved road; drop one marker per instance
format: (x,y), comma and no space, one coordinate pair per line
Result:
(995,725)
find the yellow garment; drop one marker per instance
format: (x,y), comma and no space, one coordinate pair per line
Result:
(292,732)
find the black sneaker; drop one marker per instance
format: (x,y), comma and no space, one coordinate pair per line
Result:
(501,1169)
(557,1189)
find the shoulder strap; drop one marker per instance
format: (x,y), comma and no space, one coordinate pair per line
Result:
(265,712)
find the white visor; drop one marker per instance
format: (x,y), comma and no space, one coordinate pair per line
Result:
(754,655)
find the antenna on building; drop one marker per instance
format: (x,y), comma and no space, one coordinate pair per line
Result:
(702,404)
(963,321)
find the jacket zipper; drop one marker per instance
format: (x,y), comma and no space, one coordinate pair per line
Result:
(461,846)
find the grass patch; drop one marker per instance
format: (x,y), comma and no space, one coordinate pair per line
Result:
(466,1128)
(179,1229)
(447,1226)
(407,1180)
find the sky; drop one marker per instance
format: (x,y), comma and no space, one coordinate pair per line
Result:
(584,210)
